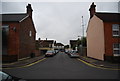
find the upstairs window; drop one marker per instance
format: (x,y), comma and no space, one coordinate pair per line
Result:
(116,30)
(116,49)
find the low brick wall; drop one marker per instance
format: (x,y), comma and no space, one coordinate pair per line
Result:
(37,53)
(112,59)
(9,58)
(83,51)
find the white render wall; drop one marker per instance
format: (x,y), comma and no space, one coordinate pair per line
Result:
(95,38)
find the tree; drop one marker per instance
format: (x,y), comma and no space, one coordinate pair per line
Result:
(84,41)
(78,42)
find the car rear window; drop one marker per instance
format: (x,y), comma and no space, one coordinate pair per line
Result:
(49,51)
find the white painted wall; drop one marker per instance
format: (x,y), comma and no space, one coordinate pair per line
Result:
(95,38)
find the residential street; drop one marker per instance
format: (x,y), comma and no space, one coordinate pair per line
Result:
(61,66)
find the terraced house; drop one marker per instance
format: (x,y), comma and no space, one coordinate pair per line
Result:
(103,35)
(18,35)
(44,45)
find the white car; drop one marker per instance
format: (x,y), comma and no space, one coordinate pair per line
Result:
(49,53)
(74,54)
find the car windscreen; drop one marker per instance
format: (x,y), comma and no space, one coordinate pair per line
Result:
(75,52)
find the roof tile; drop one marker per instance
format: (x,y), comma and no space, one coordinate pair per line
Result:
(13,17)
(109,17)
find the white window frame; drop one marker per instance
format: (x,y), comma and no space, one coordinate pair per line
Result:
(115,29)
(117,49)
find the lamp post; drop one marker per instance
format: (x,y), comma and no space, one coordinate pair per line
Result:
(82,37)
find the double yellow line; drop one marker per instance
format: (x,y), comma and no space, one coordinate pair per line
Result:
(77,59)
(96,66)
(27,64)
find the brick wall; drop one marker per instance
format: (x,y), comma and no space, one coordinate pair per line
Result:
(27,42)
(9,58)
(19,41)
(13,39)
(109,39)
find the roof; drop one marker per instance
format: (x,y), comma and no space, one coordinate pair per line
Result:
(59,44)
(73,41)
(46,41)
(108,17)
(14,17)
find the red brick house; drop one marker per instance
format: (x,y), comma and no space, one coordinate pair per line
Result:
(103,35)
(18,35)
(73,44)
(58,46)
(44,45)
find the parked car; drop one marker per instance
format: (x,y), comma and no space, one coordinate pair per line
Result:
(56,51)
(66,51)
(69,52)
(7,77)
(74,54)
(49,53)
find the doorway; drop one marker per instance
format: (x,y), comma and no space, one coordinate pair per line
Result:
(5,33)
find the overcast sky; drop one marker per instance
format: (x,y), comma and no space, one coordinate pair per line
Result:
(60,21)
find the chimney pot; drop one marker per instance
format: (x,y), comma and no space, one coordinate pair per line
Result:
(29,10)
(39,39)
(92,10)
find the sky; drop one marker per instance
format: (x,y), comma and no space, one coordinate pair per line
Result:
(60,21)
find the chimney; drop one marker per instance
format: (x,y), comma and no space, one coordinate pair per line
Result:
(29,10)
(55,42)
(92,10)
(39,39)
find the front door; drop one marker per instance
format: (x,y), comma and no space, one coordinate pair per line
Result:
(5,33)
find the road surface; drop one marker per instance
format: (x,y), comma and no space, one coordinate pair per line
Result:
(61,66)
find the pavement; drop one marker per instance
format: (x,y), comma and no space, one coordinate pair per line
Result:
(91,61)
(22,62)
(100,63)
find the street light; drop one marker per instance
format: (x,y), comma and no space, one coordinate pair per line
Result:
(82,36)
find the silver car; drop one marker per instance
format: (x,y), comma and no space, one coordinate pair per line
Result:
(74,54)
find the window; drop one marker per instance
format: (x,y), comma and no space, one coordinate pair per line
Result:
(30,33)
(116,49)
(50,45)
(116,29)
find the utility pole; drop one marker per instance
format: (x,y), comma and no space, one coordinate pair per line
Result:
(82,26)
(82,36)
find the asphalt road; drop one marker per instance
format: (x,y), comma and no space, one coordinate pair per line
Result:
(61,66)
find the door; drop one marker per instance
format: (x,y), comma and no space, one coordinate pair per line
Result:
(5,33)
